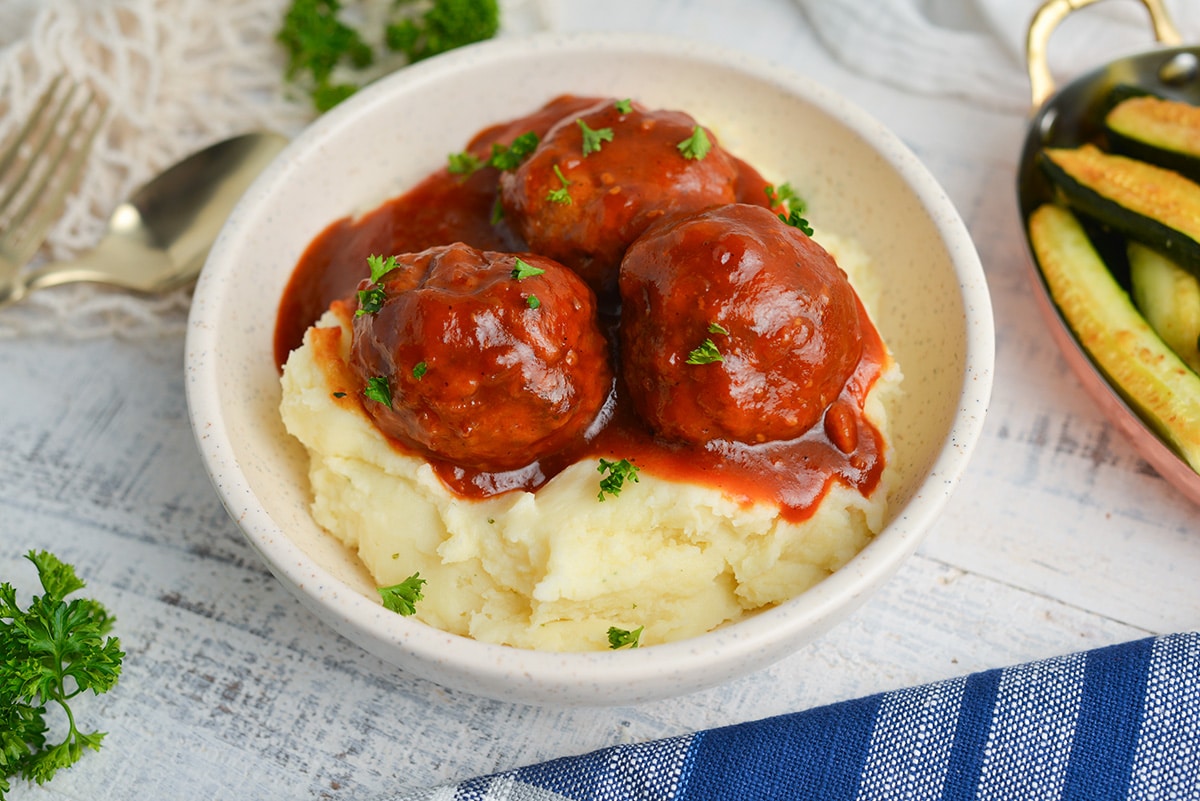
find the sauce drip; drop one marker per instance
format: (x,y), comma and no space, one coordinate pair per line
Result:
(445,208)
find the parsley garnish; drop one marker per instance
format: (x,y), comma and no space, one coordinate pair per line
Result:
(717,328)
(618,472)
(785,195)
(370,300)
(52,652)
(381,266)
(463,163)
(560,195)
(525,270)
(402,598)
(377,389)
(419,370)
(695,146)
(624,106)
(796,221)
(509,157)
(706,353)
(497,211)
(533,302)
(593,138)
(620,638)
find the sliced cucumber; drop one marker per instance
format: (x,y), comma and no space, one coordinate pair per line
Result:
(1168,296)
(1149,374)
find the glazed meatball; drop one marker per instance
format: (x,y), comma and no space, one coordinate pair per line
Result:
(492,360)
(582,197)
(734,326)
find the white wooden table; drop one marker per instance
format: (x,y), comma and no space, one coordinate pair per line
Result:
(1058,539)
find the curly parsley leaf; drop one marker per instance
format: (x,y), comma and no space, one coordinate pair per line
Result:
(717,328)
(705,353)
(316,41)
(533,302)
(695,146)
(378,390)
(618,474)
(402,598)
(53,651)
(593,138)
(624,106)
(443,26)
(621,638)
(419,370)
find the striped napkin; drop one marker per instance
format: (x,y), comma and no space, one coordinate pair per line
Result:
(1116,722)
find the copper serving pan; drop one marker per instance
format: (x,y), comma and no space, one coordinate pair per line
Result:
(1070,116)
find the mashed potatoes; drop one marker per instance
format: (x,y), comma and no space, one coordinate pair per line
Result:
(554,569)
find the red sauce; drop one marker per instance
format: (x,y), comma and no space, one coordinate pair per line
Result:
(794,474)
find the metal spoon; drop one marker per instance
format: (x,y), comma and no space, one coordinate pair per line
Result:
(159,238)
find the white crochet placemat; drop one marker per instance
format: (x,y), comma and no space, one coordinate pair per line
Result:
(174,75)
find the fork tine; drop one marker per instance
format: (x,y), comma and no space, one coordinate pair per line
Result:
(43,201)
(10,152)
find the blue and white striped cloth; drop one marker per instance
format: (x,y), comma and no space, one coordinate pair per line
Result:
(1121,722)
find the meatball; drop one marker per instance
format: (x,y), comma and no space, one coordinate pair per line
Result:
(582,201)
(734,326)
(492,360)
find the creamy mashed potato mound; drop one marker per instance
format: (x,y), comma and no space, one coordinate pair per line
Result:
(554,569)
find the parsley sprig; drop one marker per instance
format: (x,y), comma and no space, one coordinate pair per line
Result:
(705,353)
(402,598)
(371,299)
(52,652)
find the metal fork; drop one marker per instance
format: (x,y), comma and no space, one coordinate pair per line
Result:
(39,168)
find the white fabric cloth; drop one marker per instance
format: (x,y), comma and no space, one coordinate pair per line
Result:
(975,49)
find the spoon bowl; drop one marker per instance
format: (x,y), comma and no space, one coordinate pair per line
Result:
(159,238)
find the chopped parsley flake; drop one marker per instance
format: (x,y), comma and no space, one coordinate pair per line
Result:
(525,270)
(717,328)
(419,370)
(621,638)
(377,389)
(618,472)
(593,138)
(402,598)
(784,195)
(796,221)
(497,211)
(463,163)
(510,157)
(560,195)
(533,302)
(695,146)
(370,300)
(706,353)
(624,106)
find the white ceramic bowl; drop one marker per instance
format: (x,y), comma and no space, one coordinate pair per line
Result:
(859,181)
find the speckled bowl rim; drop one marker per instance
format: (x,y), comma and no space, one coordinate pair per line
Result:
(625,676)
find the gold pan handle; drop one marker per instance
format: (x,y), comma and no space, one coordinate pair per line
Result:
(1047,18)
